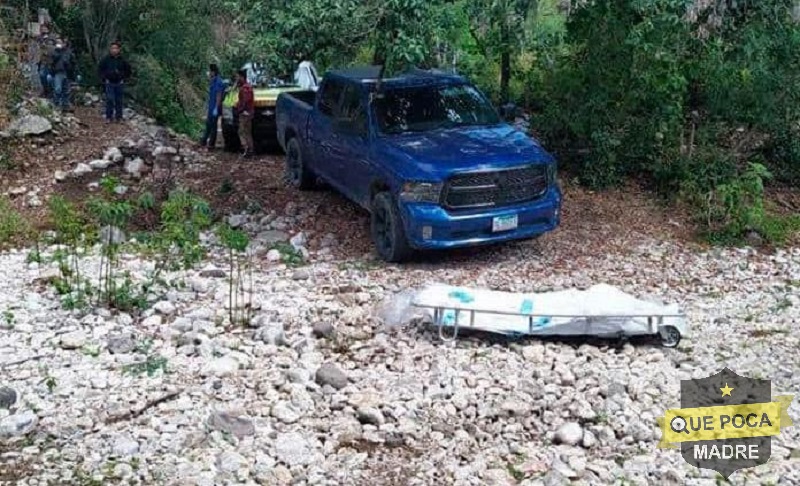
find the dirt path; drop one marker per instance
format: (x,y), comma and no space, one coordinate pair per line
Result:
(592,222)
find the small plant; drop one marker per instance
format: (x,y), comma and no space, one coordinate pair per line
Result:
(93,351)
(143,346)
(151,366)
(34,255)
(127,297)
(226,188)
(239,262)
(112,215)
(515,473)
(9,318)
(6,161)
(69,226)
(177,243)
(49,381)
(289,255)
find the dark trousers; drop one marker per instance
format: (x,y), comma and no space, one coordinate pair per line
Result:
(44,79)
(210,135)
(61,90)
(114,93)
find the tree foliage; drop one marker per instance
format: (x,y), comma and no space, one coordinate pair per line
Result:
(684,94)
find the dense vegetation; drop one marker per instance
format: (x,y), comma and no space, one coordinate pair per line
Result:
(698,98)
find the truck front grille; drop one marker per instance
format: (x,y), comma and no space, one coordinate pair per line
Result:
(496,188)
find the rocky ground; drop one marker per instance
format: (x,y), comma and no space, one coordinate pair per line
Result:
(316,391)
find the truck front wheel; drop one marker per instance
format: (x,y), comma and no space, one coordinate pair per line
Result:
(388,233)
(296,172)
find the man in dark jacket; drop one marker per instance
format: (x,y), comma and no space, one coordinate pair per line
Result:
(245,110)
(216,88)
(114,71)
(62,66)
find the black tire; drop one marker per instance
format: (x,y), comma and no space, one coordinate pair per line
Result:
(670,336)
(295,172)
(388,233)
(230,137)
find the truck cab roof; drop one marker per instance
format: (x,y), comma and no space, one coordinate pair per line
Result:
(370,75)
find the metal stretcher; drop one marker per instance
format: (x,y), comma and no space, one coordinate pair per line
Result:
(618,314)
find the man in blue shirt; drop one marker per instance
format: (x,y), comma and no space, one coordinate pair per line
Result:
(215,91)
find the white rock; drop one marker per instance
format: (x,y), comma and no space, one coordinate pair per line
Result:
(82,169)
(18,424)
(73,340)
(285,413)
(60,175)
(223,366)
(125,446)
(299,241)
(100,164)
(165,307)
(30,125)
(153,321)
(293,449)
(570,433)
(230,461)
(113,155)
(273,256)
(134,167)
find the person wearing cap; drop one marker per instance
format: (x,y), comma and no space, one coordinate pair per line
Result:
(114,71)
(216,89)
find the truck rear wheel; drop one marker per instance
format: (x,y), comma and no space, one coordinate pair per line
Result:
(296,173)
(388,234)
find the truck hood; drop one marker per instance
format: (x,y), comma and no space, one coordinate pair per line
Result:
(439,153)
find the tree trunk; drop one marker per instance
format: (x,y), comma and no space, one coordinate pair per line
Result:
(505,73)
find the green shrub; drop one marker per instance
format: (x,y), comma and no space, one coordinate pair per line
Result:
(737,207)
(12,224)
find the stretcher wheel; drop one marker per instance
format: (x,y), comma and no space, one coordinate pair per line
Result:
(670,336)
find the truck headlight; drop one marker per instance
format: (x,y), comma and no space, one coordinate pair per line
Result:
(429,192)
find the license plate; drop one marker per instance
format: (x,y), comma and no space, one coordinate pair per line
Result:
(504,223)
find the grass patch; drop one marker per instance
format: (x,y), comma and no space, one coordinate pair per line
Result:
(12,224)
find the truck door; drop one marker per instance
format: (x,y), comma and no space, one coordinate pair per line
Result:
(352,133)
(320,129)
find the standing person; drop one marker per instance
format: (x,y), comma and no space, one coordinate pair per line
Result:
(114,71)
(43,50)
(62,68)
(215,90)
(245,109)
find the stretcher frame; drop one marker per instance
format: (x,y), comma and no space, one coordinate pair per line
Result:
(670,335)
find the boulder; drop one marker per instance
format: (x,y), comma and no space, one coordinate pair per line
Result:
(30,125)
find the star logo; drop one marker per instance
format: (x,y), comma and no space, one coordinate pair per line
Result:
(726,392)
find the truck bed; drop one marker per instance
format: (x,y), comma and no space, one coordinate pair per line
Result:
(292,112)
(304,96)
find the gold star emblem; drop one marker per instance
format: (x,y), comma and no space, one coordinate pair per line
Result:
(726,392)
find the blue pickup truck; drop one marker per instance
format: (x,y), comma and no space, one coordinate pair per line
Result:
(425,153)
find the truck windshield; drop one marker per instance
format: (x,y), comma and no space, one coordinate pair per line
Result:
(425,108)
